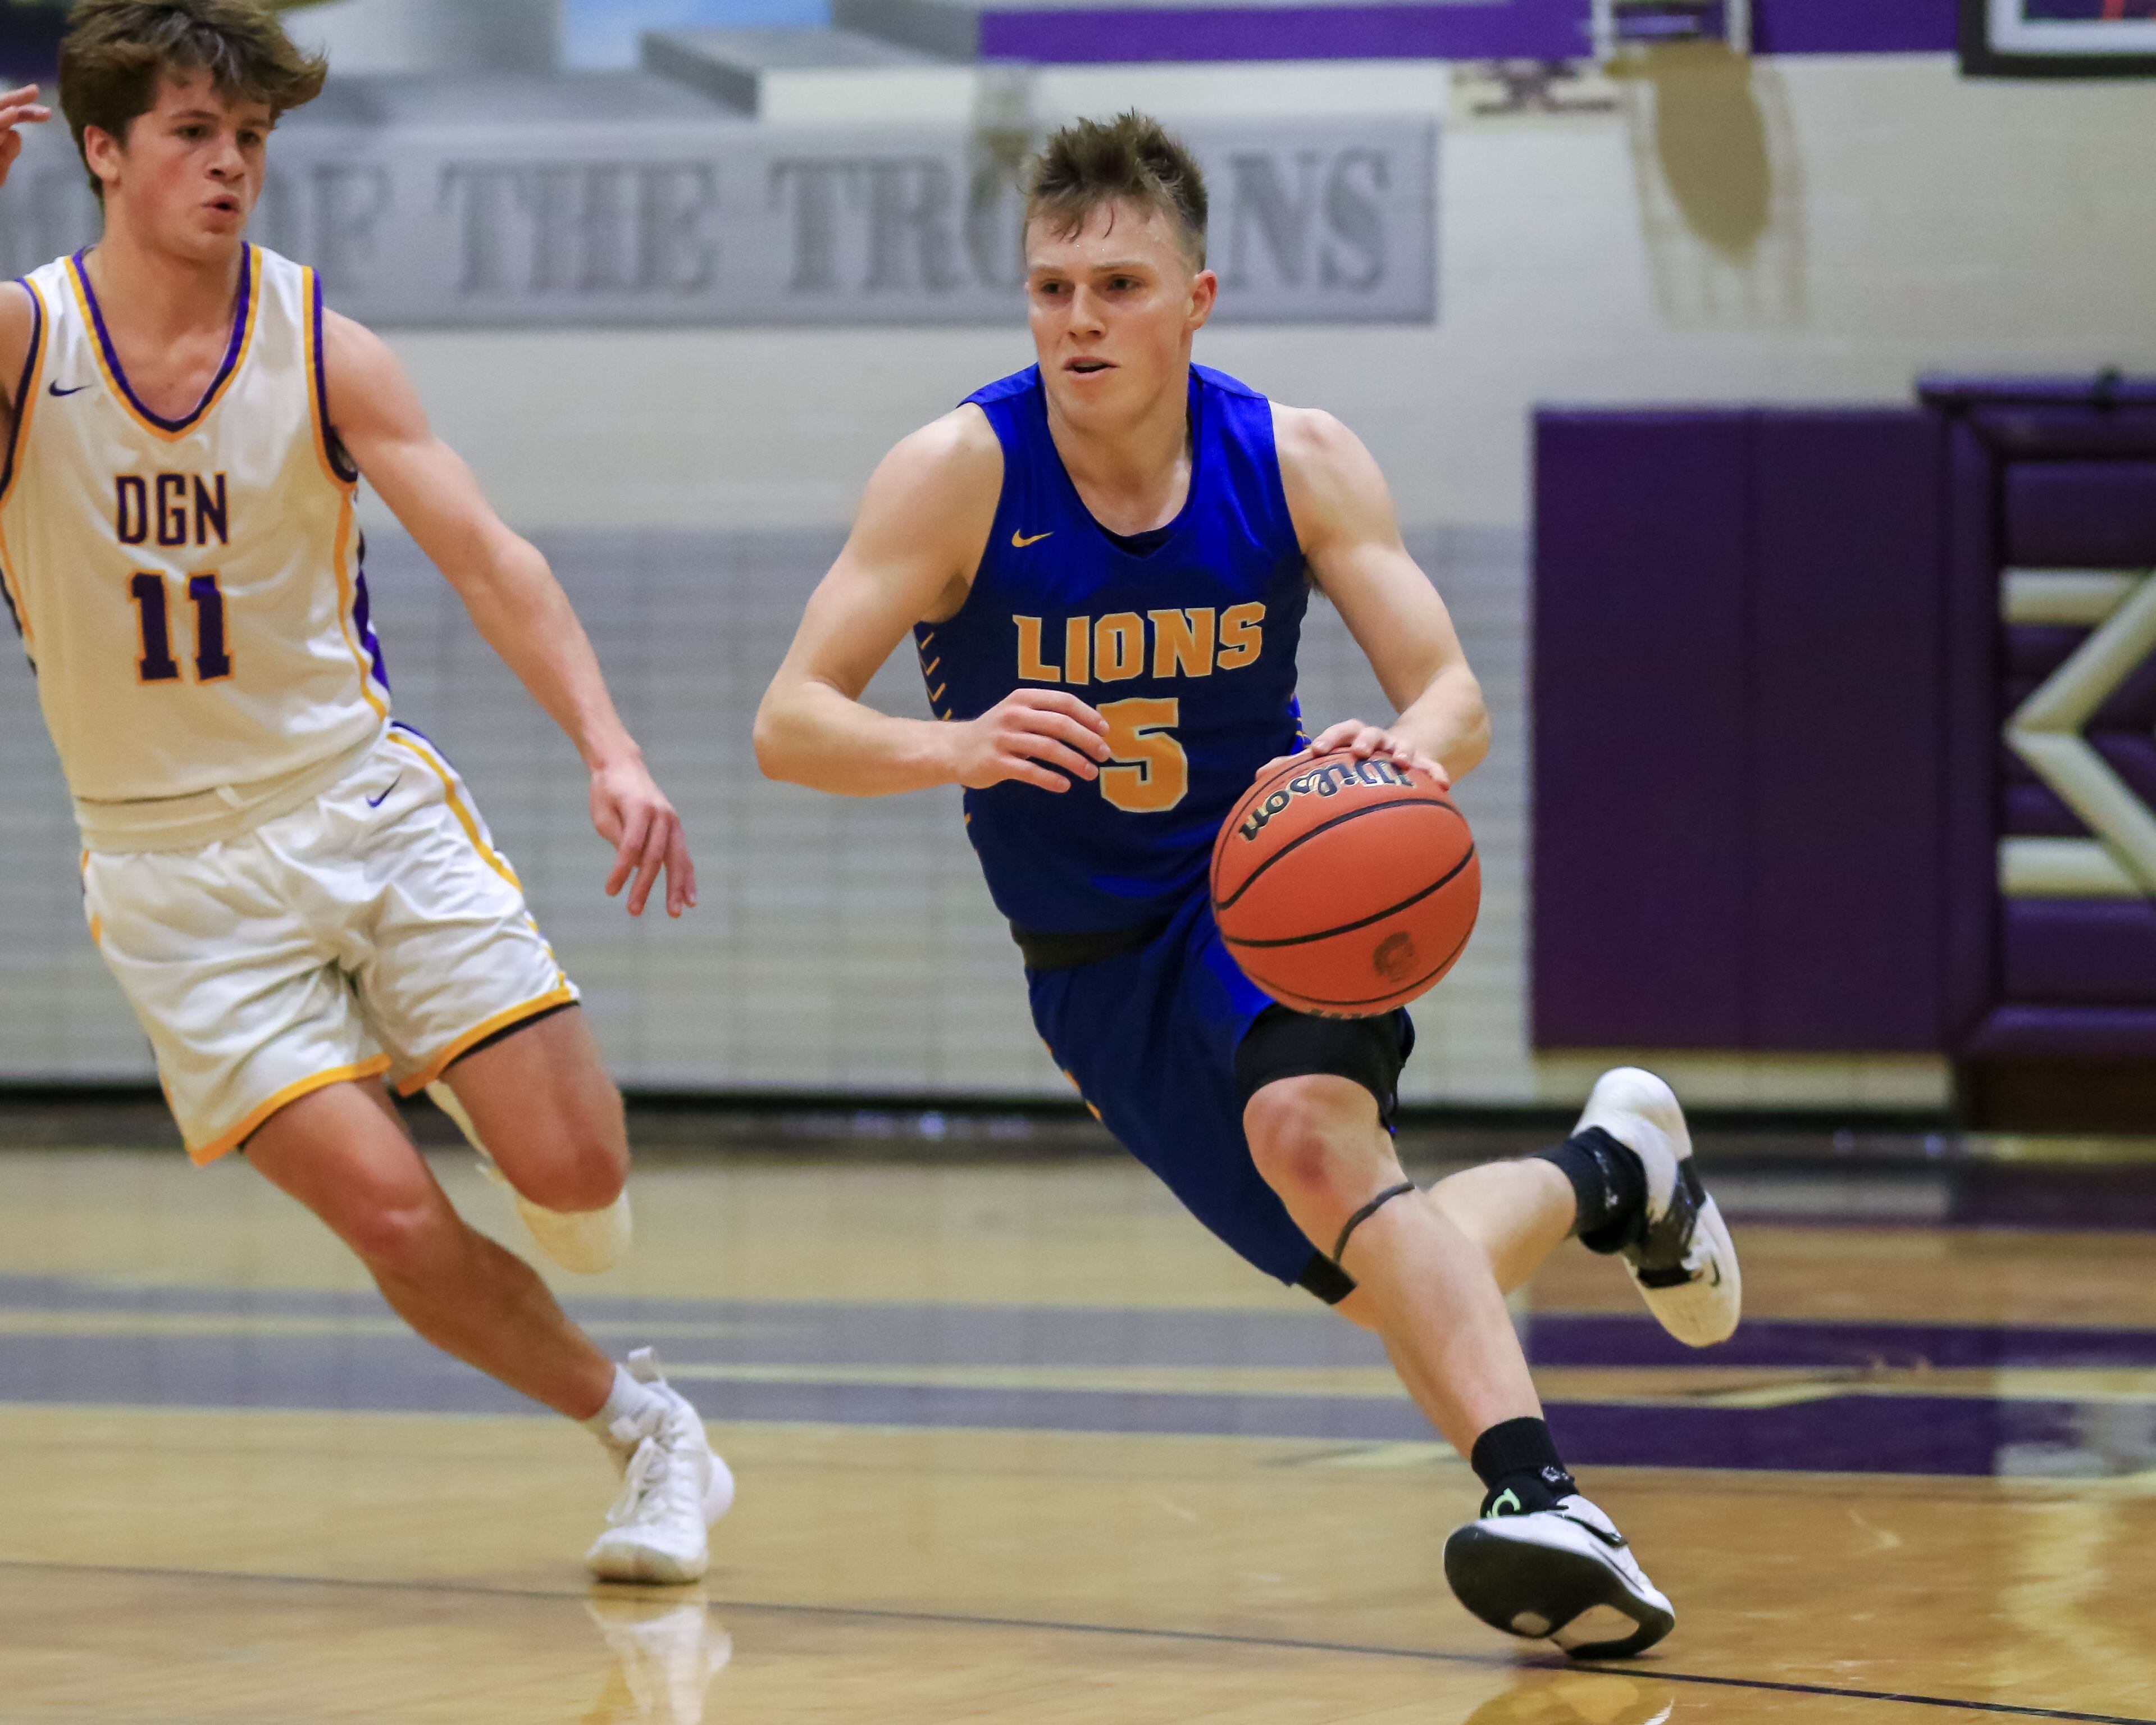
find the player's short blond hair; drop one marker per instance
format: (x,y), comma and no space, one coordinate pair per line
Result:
(117,51)
(1131,159)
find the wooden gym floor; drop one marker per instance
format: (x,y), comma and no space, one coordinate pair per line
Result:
(1019,1443)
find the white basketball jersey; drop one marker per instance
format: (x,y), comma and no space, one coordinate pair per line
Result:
(189,590)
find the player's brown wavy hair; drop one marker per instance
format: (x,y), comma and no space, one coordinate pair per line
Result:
(116,51)
(1131,159)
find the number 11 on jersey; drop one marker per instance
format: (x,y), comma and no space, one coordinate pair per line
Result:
(212,661)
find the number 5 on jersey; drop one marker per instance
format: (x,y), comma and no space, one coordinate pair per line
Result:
(212,662)
(1147,771)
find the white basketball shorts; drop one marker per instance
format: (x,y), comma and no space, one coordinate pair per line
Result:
(376,930)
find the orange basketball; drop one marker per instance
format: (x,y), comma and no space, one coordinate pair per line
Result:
(1346,888)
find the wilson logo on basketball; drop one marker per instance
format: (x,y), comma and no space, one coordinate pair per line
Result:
(1326,781)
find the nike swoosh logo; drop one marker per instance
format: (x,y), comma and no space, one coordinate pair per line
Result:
(1021,542)
(1615,1542)
(65,393)
(377,801)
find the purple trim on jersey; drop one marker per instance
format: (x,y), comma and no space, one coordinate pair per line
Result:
(232,351)
(341,464)
(362,614)
(15,430)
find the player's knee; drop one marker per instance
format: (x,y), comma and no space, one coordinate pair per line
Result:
(586,1172)
(563,1144)
(1306,1144)
(580,1160)
(399,1234)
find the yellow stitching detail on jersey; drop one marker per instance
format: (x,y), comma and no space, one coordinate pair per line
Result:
(493,858)
(562,994)
(313,337)
(258,1117)
(347,604)
(196,419)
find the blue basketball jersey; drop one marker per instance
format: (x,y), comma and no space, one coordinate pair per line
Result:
(1184,641)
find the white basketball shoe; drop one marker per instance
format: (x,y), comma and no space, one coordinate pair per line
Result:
(1684,1263)
(585,1242)
(1564,1573)
(674,1488)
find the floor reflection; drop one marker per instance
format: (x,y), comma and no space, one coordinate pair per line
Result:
(667,1650)
(1586,1698)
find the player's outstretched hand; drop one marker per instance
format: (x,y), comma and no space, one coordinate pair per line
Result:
(1026,736)
(633,815)
(1364,741)
(18,107)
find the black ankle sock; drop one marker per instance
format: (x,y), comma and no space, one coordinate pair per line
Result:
(1516,1459)
(1610,1182)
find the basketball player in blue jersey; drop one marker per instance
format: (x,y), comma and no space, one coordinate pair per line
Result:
(297,894)
(1105,560)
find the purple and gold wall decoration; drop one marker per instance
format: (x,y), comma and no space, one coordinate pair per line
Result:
(1845,726)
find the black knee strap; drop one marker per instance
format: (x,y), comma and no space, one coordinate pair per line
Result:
(1362,1215)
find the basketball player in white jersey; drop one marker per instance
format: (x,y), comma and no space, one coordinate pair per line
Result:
(295,893)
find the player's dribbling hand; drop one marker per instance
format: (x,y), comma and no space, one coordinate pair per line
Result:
(18,107)
(633,815)
(1028,735)
(1352,737)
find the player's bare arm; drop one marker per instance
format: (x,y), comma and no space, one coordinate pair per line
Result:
(512,596)
(1344,517)
(916,543)
(17,108)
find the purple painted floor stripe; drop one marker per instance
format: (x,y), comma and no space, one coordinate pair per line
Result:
(1870,1433)
(1581,1339)
(826,1333)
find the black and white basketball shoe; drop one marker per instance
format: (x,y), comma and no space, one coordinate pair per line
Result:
(1563,1574)
(1682,1260)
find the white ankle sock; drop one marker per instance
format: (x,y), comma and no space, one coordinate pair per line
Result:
(626,1406)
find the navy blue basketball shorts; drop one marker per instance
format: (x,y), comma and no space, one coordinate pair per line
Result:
(1166,1041)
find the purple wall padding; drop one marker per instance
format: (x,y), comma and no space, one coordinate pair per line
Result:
(1845,720)
(2058,474)
(2088,1033)
(1737,628)
(1445,29)
(2030,810)
(1780,633)
(2081,514)
(1480,29)
(1970,748)
(1639,879)
(1856,26)
(2065,953)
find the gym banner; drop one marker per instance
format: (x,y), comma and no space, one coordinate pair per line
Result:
(2059,38)
(682,223)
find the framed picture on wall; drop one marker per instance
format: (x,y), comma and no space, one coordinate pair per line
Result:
(2058,39)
